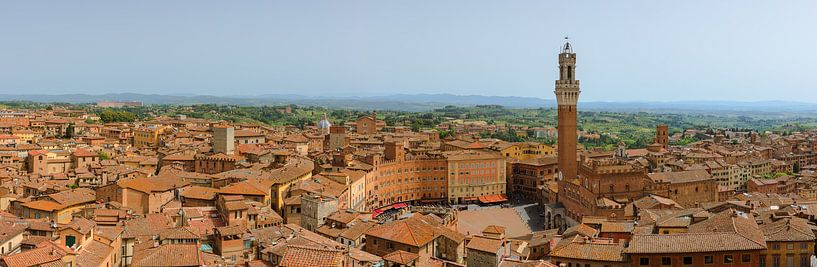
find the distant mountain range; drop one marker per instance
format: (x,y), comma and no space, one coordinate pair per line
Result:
(419,102)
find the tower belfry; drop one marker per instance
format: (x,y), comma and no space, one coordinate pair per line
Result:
(567,96)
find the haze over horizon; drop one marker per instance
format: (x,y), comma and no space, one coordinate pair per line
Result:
(643,50)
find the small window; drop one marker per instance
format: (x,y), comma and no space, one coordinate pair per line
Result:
(789,246)
(644,261)
(775,246)
(687,260)
(728,259)
(745,258)
(666,261)
(804,246)
(709,259)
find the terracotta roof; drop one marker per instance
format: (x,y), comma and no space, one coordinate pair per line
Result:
(259,263)
(46,252)
(681,176)
(458,143)
(296,139)
(247,133)
(179,157)
(410,231)
(108,232)
(37,152)
(39,224)
(10,230)
(355,231)
(249,187)
(539,238)
(539,161)
(297,256)
(484,244)
(93,253)
(579,248)
(200,192)
(177,233)
(319,185)
(74,196)
(44,205)
(171,255)
(329,231)
(293,169)
(450,234)
(651,201)
(232,197)
(525,263)
(617,227)
(731,221)
(84,153)
(145,226)
(476,145)
(236,205)
(353,174)
(690,243)
(494,229)
(343,216)
(159,183)
(580,229)
(33,240)
(787,230)
(231,230)
(82,225)
(401,257)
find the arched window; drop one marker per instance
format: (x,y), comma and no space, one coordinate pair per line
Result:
(569,73)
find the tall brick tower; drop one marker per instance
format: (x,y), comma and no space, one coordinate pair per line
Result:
(567,95)
(662,135)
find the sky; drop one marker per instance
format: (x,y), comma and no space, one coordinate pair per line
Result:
(648,50)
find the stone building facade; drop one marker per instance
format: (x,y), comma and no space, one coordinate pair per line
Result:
(314,210)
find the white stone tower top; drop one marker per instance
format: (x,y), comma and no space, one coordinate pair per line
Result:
(567,86)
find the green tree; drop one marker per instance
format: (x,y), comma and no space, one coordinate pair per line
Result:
(69,131)
(111,115)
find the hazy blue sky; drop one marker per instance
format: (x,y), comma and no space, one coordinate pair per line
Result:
(627,50)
